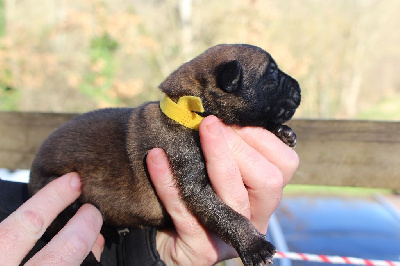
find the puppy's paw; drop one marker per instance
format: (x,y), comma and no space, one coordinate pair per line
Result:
(260,252)
(287,135)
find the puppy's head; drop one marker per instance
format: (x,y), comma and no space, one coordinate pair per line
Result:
(241,84)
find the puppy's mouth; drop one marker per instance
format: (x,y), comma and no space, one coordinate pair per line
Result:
(283,114)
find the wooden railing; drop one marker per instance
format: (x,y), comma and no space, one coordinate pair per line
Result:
(337,153)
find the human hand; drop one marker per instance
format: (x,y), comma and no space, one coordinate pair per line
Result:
(248,168)
(21,230)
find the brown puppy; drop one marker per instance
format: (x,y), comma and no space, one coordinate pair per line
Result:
(240,84)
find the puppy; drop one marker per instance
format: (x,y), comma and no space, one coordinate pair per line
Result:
(241,84)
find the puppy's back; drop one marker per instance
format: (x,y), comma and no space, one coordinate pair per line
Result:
(86,144)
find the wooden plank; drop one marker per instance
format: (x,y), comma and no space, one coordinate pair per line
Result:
(348,153)
(337,153)
(21,134)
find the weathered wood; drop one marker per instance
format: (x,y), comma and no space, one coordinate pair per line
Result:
(348,153)
(338,153)
(21,134)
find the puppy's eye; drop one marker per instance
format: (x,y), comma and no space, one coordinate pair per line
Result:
(273,71)
(274,67)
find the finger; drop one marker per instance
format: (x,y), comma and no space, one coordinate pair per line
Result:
(271,147)
(264,181)
(222,168)
(20,231)
(74,242)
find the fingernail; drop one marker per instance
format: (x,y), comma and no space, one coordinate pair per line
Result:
(214,128)
(157,158)
(75,181)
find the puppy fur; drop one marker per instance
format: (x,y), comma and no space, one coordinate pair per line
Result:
(240,84)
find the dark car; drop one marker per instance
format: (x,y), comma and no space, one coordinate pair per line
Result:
(362,227)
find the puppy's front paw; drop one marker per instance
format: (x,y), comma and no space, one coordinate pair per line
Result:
(260,252)
(287,135)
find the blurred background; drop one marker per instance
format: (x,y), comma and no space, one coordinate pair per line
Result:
(78,55)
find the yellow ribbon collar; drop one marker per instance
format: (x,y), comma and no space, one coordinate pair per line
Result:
(184,110)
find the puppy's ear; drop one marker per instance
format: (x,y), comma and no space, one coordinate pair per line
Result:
(229,76)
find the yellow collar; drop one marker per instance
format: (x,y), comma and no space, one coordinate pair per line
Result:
(184,110)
